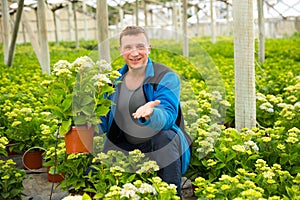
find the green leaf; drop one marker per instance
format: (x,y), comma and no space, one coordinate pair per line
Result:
(295,170)
(88,110)
(231,156)
(66,104)
(86,100)
(65,127)
(284,158)
(102,110)
(220,166)
(219,155)
(80,120)
(86,197)
(131,178)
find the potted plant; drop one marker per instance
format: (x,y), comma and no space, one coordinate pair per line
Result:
(11,184)
(77,95)
(54,157)
(74,168)
(31,130)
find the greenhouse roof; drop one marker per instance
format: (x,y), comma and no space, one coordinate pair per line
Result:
(272,8)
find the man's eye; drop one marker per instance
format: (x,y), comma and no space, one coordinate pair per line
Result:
(141,47)
(128,48)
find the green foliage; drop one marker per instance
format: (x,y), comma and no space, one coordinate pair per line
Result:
(74,169)
(224,160)
(237,164)
(23,119)
(115,175)
(11,184)
(54,157)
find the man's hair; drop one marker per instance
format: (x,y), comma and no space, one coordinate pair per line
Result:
(133,30)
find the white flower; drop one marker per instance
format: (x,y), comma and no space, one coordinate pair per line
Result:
(76,197)
(82,63)
(215,112)
(101,80)
(261,97)
(252,144)
(129,191)
(148,167)
(268,174)
(267,107)
(146,188)
(103,65)
(225,103)
(216,95)
(239,148)
(59,72)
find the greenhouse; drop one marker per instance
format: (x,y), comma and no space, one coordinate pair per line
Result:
(152,99)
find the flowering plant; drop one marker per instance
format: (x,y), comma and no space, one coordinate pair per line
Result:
(114,175)
(156,189)
(54,157)
(30,127)
(73,168)
(257,163)
(265,182)
(77,197)
(11,184)
(77,92)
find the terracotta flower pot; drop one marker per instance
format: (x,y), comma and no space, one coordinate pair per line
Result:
(33,160)
(79,139)
(55,178)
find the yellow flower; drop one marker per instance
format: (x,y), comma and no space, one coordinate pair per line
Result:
(16,123)
(156,179)
(3,140)
(211,162)
(5,177)
(271,181)
(281,146)
(224,149)
(116,171)
(268,174)
(225,187)
(148,166)
(211,196)
(199,180)
(292,140)
(228,139)
(10,162)
(266,139)
(292,98)
(239,148)
(138,183)
(211,189)
(276,167)
(28,119)
(252,193)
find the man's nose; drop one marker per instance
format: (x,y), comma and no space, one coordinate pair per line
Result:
(135,51)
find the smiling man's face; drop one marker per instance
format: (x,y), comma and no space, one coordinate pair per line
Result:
(135,50)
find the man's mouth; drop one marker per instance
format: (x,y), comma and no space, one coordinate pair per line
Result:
(135,59)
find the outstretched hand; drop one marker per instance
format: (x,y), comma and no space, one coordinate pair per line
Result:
(146,110)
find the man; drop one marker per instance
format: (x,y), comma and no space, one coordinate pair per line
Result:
(146,110)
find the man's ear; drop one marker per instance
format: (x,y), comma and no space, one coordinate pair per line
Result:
(149,49)
(120,50)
